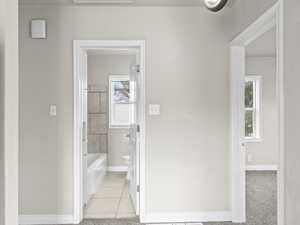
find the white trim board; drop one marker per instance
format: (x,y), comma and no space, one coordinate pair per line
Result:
(262,25)
(270,19)
(188,217)
(117,168)
(46,219)
(262,168)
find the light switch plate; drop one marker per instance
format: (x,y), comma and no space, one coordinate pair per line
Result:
(52,111)
(249,158)
(154,110)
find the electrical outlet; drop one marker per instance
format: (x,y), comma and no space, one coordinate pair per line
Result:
(52,111)
(154,110)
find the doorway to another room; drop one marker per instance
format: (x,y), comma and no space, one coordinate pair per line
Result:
(110,126)
(261,129)
(109,117)
(257,121)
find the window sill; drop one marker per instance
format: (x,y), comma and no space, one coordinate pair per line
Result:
(253,140)
(119,127)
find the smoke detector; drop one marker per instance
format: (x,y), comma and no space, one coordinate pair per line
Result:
(215,5)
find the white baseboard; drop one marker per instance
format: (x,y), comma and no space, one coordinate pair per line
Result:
(197,217)
(45,219)
(117,168)
(175,224)
(262,168)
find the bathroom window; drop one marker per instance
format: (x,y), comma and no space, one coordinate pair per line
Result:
(252,108)
(120,109)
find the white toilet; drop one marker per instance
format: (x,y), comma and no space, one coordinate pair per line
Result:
(126,159)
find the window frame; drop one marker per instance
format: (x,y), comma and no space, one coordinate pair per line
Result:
(256,109)
(114,78)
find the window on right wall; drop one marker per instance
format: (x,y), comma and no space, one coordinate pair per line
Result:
(253,108)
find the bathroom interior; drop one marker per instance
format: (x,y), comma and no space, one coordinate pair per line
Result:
(109,117)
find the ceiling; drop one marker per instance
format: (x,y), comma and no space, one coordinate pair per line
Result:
(126,2)
(265,45)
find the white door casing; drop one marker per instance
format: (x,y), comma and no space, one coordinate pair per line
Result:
(84,89)
(134,135)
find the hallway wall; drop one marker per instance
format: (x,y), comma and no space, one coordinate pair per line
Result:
(188,141)
(9,112)
(2,74)
(292,109)
(185,143)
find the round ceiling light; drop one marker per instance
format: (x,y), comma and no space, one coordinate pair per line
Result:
(215,5)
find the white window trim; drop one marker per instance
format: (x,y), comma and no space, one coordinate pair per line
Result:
(111,79)
(257,101)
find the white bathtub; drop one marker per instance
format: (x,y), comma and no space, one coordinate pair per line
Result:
(97,166)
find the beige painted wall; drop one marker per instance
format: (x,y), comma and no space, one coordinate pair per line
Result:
(265,152)
(292,109)
(187,146)
(9,112)
(2,73)
(246,12)
(100,67)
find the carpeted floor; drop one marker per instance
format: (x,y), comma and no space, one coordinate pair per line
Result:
(261,199)
(261,203)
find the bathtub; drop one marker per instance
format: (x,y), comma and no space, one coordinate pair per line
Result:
(97,166)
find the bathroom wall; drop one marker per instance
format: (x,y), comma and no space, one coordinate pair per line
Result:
(100,67)
(266,151)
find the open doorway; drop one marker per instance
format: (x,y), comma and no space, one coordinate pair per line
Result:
(261,129)
(110,114)
(109,118)
(257,121)
(261,104)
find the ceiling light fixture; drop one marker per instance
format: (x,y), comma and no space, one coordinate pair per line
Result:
(215,5)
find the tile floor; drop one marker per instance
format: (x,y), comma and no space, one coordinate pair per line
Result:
(112,200)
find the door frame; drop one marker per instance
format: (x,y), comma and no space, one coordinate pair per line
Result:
(270,19)
(80,47)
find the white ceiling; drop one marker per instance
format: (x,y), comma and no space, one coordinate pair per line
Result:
(265,45)
(135,2)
